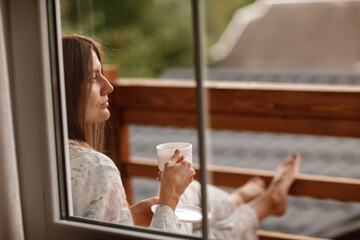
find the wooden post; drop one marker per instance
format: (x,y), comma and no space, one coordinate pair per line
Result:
(123,156)
(118,140)
(111,72)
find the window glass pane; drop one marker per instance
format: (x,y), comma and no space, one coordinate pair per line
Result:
(144,43)
(280,74)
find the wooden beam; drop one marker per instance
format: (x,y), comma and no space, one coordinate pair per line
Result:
(303,109)
(269,235)
(111,72)
(316,186)
(313,126)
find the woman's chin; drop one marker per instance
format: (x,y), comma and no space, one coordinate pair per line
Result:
(106,116)
(101,117)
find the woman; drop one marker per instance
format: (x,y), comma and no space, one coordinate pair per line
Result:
(98,192)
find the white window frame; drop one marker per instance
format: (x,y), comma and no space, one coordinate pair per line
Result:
(35,131)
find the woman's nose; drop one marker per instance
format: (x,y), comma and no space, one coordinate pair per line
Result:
(107,88)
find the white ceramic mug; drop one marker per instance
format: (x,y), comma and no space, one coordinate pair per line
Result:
(165,151)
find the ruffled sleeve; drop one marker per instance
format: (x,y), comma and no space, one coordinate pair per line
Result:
(165,220)
(98,192)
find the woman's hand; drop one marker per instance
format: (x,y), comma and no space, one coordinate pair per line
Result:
(141,212)
(176,176)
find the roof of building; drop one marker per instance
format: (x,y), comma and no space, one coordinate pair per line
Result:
(293,34)
(333,77)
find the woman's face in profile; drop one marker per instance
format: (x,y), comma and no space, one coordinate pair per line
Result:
(97,103)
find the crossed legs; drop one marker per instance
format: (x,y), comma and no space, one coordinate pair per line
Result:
(237,214)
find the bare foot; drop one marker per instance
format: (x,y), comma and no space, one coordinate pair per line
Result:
(281,183)
(248,191)
(274,199)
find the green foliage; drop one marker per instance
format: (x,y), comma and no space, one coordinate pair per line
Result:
(144,37)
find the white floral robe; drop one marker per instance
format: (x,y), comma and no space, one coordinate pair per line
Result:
(98,194)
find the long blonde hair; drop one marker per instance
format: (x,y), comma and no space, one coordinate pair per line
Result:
(77,52)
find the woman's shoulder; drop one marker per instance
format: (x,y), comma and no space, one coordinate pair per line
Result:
(88,157)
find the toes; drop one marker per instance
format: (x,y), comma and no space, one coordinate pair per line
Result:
(294,159)
(260,182)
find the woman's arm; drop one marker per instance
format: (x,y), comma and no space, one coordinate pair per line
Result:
(176,177)
(141,212)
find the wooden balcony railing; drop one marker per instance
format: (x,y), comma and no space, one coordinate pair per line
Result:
(280,108)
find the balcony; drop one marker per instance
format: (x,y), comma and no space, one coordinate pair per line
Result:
(317,110)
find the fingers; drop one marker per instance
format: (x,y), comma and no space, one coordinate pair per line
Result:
(186,164)
(185,161)
(159,176)
(296,156)
(154,200)
(191,177)
(181,161)
(191,173)
(175,158)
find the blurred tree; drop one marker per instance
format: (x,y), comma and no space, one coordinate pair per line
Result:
(144,37)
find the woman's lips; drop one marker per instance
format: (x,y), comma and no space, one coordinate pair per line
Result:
(105,104)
